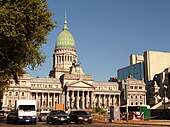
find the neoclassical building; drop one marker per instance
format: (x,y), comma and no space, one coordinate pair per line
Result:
(135,91)
(67,83)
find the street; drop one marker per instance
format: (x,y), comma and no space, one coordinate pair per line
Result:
(44,124)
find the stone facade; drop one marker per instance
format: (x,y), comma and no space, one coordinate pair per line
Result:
(67,84)
(75,92)
(134,91)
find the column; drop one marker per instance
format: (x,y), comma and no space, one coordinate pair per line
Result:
(36,95)
(83,100)
(77,99)
(119,100)
(37,99)
(53,102)
(5,99)
(110,100)
(42,95)
(56,98)
(92,99)
(144,100)
(68,100)
(99,101)
(114,98)
(48,98)
(104,100)
(87,99)
(72,99)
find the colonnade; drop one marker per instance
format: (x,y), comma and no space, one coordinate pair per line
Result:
(107,100)
(46,101)
(87,100)
(75,99)
(79,99)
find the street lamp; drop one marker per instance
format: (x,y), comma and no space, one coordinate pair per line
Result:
(126,103)
(126,99)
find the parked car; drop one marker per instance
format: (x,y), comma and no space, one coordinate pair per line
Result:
(43,116)
(11,117)
(57,116)
(80,116)
(2,114)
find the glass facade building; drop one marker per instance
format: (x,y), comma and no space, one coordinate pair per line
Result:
(136,70)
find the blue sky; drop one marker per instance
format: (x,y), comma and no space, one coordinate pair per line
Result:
(107,32)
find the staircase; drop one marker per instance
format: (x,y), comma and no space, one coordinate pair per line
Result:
(157,105)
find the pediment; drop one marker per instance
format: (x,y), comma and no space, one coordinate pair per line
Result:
(81,84)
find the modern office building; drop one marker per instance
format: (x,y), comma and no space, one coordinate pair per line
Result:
(136,70)
(149,65)
(155,62)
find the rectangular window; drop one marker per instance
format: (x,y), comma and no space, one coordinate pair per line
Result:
(136,87)
(140,87)
(24,83)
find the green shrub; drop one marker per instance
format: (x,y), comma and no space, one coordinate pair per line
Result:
(99,110)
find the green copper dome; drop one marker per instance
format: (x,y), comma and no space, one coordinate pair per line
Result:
(65,39)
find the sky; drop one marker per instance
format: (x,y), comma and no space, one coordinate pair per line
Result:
(107,32)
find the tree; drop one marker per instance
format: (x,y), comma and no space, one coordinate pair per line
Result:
(24,25)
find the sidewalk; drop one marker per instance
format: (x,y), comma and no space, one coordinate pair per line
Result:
(137,122)
(145,122)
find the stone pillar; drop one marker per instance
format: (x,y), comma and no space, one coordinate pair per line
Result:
(104,100)
(62,98)
(37,99)
(5,99)
(56,98)
(83,100)
(36,95)
(68,100)
(42,100)
(87,100)
(92,99)
(53,101)
(99,101)
(72,98)
(119,100)
(110,100)
(114,100)
(48,99)
(144,100)
(77,99)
